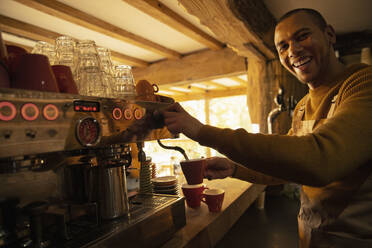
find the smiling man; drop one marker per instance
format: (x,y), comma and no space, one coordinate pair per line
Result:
(305,46)
(328,149)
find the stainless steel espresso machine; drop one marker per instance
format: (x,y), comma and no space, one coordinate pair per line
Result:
(63,165)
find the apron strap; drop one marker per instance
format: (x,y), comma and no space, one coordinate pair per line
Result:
(301,111)
(333,107)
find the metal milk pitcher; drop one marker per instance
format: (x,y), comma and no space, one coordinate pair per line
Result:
(113,193)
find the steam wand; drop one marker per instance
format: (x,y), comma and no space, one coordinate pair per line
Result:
(177,148)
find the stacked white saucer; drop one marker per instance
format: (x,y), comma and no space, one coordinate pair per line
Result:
(165,185)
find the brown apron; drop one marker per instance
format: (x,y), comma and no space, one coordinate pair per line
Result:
(340,213)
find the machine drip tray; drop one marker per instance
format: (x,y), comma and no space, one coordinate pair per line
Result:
(152,220)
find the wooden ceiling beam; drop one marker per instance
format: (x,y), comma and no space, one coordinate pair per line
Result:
(70,14)
(26,30)
(197,67)
(11,43)
(219,86)
(128,60)
(162,13)
(211,94)
(205,86)
(194,89)
(232,28)
(35,33)
(239,80)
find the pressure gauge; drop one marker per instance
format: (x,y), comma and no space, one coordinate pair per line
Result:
(88,131)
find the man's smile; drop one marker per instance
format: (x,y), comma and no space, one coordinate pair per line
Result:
(302,62)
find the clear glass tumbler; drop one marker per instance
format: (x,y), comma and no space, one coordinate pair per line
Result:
(65,52)
(89,76)
(107,70)
(124,82)
(47,49)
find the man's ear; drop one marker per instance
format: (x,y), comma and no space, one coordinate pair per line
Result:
(331,34)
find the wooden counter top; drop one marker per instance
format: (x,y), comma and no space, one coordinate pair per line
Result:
(205,229)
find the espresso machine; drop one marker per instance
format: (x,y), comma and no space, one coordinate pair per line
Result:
(63,165)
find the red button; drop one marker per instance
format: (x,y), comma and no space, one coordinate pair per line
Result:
(29,112)
(50,112)
(117,114)
(138,113)
(7,111)
(128,115)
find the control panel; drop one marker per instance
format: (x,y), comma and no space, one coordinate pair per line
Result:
(33,122)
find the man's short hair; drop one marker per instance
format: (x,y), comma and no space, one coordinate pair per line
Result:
(317,17)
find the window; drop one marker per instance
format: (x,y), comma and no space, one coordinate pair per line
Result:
(224,112)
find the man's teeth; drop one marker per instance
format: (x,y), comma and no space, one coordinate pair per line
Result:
(301,62)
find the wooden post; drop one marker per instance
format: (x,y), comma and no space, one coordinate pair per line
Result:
(264,80)
(207,120)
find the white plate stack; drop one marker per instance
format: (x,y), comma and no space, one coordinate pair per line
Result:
(165,185)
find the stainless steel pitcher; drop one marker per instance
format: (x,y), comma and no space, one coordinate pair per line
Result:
(77,183)
(113,193)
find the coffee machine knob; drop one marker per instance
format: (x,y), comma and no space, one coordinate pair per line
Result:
(7,134)
(30,133)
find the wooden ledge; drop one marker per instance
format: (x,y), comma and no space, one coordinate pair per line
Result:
(205,229)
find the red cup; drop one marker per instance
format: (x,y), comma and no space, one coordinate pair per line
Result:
(35,73)
(4,76)
(14,57)
(214,199)
(193,194)
(65,80)
(193,170)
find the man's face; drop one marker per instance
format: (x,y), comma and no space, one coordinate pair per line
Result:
(303,48)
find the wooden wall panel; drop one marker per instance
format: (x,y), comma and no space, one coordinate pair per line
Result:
(264,80)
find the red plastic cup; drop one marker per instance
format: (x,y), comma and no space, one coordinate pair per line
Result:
(65,80)
(193,170)
(14,56)
(193,194)
(4,76)
(35,73)
(214,199)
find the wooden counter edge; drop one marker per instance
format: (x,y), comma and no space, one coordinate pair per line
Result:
(210,235)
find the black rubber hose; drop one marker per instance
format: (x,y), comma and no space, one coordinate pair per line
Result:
(177,148)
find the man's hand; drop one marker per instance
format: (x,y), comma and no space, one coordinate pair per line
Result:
(218,167)
(178,120)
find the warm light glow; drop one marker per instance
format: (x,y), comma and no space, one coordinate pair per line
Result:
(165,92)
(224,112)
(255,128)
(180,89)
(243,77)
(226,82)
(204,86)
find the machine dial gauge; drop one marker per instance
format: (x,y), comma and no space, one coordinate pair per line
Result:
(88,131)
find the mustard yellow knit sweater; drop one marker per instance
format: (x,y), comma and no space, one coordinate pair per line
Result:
(335,148)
